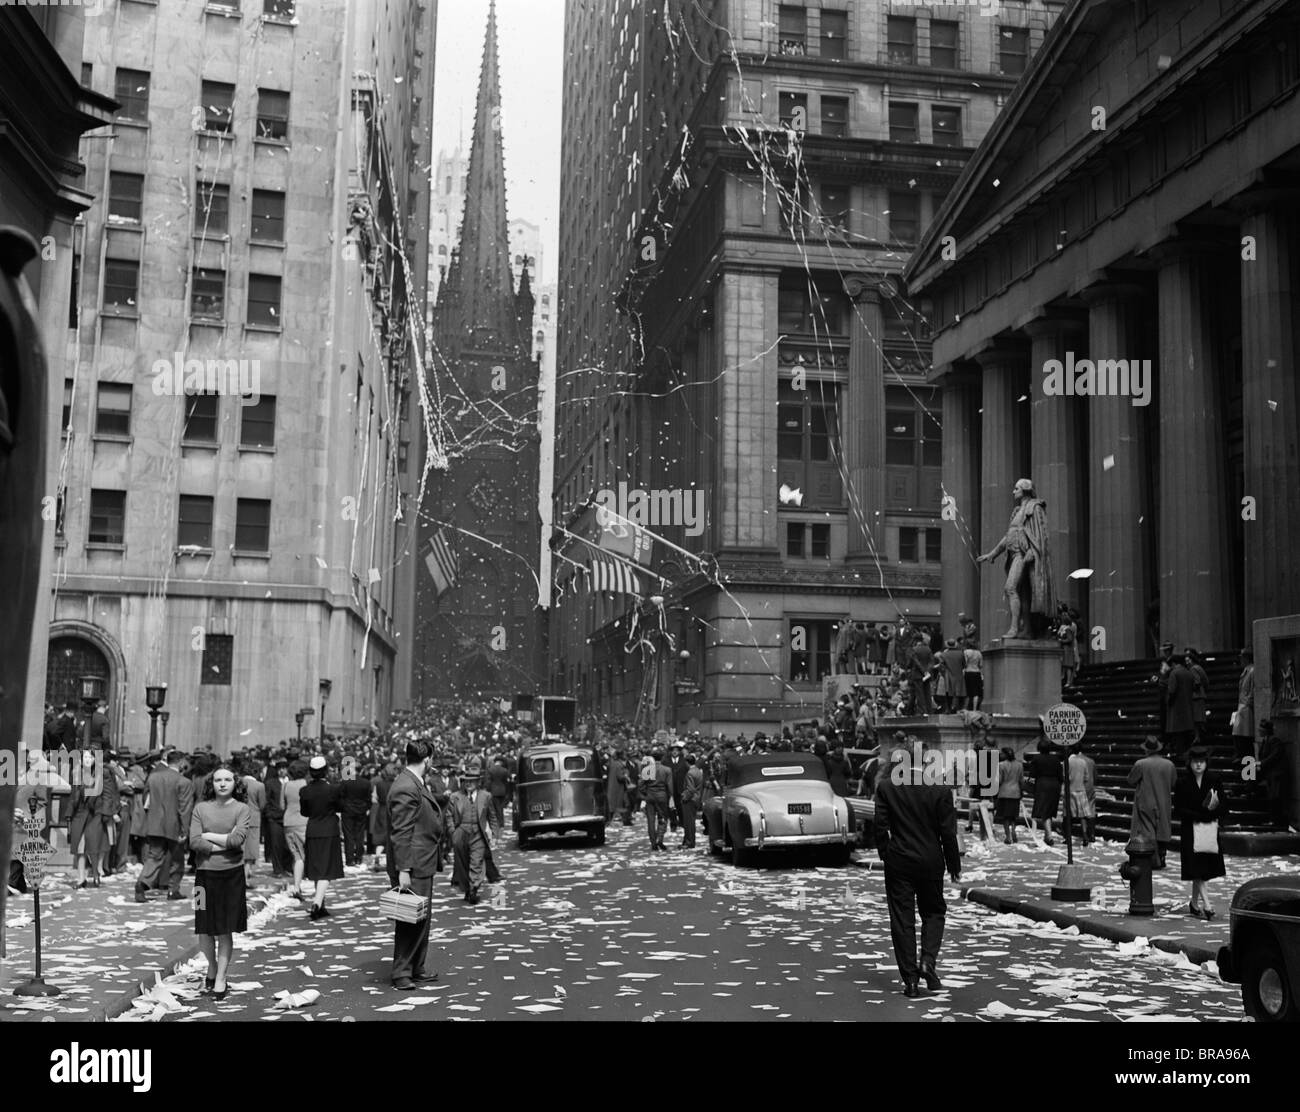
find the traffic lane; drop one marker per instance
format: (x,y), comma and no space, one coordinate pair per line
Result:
(622,933)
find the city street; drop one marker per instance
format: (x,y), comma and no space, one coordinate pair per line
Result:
(620,933)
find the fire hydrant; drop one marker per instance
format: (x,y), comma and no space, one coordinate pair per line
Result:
(1137,871)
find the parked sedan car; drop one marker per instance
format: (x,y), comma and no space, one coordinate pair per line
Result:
(778,801)
(1263,951)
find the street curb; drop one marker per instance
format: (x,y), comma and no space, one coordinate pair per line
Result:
(121,1004)
(1109,931)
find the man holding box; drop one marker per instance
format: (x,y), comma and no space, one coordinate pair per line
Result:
(415,830)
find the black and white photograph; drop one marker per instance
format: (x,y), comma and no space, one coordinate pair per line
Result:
(603,512)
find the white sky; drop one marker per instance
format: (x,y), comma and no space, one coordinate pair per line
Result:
(531,34)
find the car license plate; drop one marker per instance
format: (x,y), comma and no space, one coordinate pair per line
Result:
(541,807)
(799,809)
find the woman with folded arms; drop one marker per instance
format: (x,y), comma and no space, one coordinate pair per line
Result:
(218,830)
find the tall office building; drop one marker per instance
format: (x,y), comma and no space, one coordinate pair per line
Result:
(241,452)
(732,326)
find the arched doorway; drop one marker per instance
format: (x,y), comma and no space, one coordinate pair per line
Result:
(79,649)
(70,659)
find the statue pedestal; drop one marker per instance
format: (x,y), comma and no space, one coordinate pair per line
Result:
(1021,678)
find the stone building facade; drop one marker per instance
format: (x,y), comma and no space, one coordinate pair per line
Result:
(1135,201)
(748,216)
(260,203)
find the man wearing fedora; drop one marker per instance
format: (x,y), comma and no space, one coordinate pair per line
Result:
(415,833)
(1154,776)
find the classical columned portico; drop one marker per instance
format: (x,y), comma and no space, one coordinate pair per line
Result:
(1270,394)
(1004,458)
(864,433)
(1058,448)
(961,483)
(1194,563)
(1120,527)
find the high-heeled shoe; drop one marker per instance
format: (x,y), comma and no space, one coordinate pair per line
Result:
(83,884)
(1195,911)
(219,996)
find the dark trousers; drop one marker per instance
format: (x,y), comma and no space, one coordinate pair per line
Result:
(674,813)
(924,700)
(354,838)
(656,817)
(277,849)
(499,811)
(164,864)
(689,810)
(411,940)
(905,895)
(1177,742)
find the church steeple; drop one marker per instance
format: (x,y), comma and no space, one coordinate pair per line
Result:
(486,302)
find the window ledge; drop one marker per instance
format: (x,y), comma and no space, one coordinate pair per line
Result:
(208,322)
(131,121)
(269,328)
(283,21)
(216,237)
(268,243)
(60,543)
(211,134)
(194,551)
(104,546)
(120,314)
(270,141)
(258,449)
(221,10)
(202,445)
(244,554)
(112,438)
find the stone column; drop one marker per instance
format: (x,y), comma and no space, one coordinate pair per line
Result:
(1057,452)
(1120,527)
(863,437)
(961,483)
(1004,458)
(1194,560)
(1270,394)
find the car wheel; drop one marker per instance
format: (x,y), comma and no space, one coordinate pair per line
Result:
(1265,987)
(837,857)
(598,835)
(522,840)
(741,855)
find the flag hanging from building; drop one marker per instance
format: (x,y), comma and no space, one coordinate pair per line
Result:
(613,575)
(442,562)
(624,537)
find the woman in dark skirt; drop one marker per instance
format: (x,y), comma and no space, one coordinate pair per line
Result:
(218,830)
(320,805)
(1199,798)
(1006,810)
(1045,769)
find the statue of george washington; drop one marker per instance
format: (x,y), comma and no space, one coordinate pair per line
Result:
(1029,565)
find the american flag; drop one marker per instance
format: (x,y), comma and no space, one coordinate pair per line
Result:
(442,563)
(613,575)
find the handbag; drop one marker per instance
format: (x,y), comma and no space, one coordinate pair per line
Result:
(1205,837)
(404,906)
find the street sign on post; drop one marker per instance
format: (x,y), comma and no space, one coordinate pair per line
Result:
(1064,726)
(33,852)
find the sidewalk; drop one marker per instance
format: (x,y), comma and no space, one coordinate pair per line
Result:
(98,945)
(1018,879)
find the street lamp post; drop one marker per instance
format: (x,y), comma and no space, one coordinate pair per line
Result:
(92,690)
(325,686)
(163,717)
(155,694)
(298,718)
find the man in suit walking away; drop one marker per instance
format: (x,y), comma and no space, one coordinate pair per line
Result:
(354,795)
(167,824)
(414,832)
(916,837)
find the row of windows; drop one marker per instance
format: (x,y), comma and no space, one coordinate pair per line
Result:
(194,521)
(131,89)
(211,213)
(900,40)
(834,207)
(904,119)
(202,416)
(207,293)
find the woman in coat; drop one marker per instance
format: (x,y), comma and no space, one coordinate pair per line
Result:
(837,770)
(1045,769)
(1199,798)
(255,797)
(617,802)
(323,845)
(1006,811)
